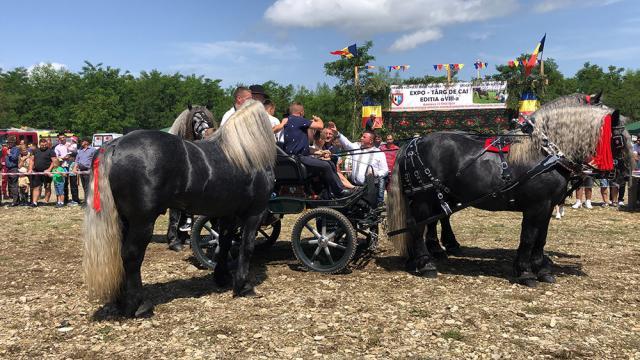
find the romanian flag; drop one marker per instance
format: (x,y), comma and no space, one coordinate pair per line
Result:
(347,52)
(534,56)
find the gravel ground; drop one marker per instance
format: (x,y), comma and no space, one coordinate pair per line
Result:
(471,310)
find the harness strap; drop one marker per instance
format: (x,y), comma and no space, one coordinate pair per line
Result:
(544,166)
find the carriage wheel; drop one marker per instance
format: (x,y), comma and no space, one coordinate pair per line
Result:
(204,240)
(205,234)
(324,240)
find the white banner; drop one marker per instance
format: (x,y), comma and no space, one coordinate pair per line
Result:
(454,96)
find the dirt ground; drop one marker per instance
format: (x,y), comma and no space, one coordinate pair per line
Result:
(472,310)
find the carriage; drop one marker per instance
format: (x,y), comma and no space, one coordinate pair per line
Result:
(326,238)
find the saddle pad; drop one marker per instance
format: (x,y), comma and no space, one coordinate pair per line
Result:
(490,148)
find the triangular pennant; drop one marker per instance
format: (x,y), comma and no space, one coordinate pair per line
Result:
(439,66)
(435,67)
(460,66)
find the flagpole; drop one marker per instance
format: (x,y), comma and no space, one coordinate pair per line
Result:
(449,74)
(356,85)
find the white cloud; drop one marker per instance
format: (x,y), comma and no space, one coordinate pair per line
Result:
(480,35)
(421,20)
(237,51)
(53,65)
(551,5)
(622,53)
(410,41)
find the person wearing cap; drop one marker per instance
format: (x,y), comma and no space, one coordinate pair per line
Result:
(240,95)
(257,93)
(11,162)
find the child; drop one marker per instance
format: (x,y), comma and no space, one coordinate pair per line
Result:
(58,175)
(73,180)
(23,180)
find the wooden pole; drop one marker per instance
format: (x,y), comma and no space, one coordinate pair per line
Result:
(448,73)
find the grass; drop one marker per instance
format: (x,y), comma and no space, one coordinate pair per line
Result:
(453,334)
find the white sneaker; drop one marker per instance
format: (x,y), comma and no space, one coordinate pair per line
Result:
(561,211)
(620,203)
(577,205)
(558,216)
(587,204)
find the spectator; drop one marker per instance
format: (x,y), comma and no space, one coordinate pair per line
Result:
(42,163)
(240,95)
(378,141)
(585,189)
(270,107)
(5,178)
(73,180)
(604,192)
(58,175)
(62,153)
(23,179)
(296,142)
(390,151)
(370,122)
(636,151)
(11,162)
(83,163)
(257,93)
(369,157)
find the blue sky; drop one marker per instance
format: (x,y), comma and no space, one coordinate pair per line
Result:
(289,40)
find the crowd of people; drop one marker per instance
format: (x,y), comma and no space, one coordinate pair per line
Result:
(30,171)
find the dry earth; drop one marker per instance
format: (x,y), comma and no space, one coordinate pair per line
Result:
(471,310)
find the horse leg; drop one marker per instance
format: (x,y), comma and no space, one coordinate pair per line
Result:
(449,238)
(432,243)
(532,222)
(241,287)
(172,231)
(136,237)
(540,264)
(221,274)
(420,261)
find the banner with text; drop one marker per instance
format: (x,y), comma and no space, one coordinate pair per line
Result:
(442,96)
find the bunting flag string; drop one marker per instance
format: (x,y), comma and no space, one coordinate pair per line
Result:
(398,67)
(367,67)
(448,66)
(518,63)
(480,65)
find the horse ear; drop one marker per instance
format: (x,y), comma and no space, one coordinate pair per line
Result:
(190,106)
(595,99)
(615,118)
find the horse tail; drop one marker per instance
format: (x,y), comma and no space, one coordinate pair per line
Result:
(102,262)
(397,210)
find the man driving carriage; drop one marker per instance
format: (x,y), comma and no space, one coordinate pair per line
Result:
(369,157)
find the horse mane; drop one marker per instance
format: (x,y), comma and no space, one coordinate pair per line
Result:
(575,129)
(182,126)
(246,138)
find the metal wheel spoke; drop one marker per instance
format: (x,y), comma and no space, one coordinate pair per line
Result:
(313,231)
(337,246)
(324,226)
(264,233)
(328,253)
(315,253)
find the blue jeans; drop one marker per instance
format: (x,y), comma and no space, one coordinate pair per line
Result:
(382,180)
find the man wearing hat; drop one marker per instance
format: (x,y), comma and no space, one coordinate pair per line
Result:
(11,162)
(257,93)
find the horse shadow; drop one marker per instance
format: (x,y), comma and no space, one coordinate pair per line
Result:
(202,283)
(495,262)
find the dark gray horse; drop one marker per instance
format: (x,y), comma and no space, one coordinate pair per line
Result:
(574,129)
(137,177)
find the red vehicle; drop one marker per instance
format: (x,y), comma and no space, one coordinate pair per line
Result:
(29,137)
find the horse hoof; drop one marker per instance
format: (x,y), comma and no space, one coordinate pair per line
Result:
(547,278)
(175,246)
(145,310)
(530,283)
(455,251)
(250,293)
(427,271)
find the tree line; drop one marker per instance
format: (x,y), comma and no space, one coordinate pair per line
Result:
(101,98)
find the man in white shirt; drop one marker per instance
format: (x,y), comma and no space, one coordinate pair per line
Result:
(240,95)
(368,156)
